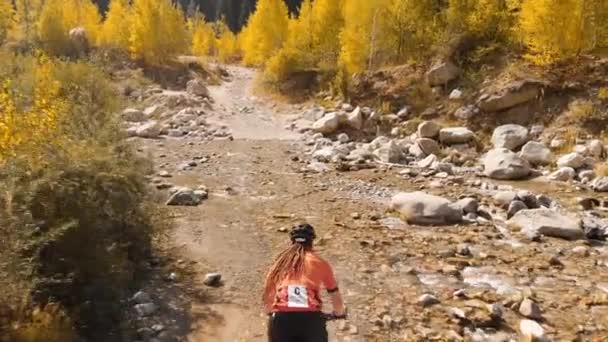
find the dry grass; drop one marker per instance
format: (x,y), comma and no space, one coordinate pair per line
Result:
(601,169)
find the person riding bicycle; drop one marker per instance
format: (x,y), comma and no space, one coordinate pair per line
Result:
(292,292)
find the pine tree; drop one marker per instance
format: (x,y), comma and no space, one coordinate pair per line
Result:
(265,32)
(6,18)
(158,31)
(115,29)
(554,30)
(203,36)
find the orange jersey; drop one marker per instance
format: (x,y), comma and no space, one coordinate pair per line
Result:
(302,293)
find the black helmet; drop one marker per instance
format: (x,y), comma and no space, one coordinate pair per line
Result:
(302,233)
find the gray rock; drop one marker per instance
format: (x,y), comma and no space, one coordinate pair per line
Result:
(148,130)
(456,94)
(536,153)
(389,153)
(428,146)
(564,174)
(466,112)
(327,124)
(595,148)
(515,207)
(442,73)
(504,198)
(600,184)
(141,298)
(534,222)
(145,333)
(355,119)
(428,129)
(501,163)
(509,96)
(347,107)
(424,209)
(455,135)
(509,136)
(133,115)
(586,176)
(416,151)
(175,133)
(531,331)
(343,138)
(428,161)
(595,228)
(468,205)
(427,300)
(197,87)
(536,130)
(573,160)
(213,279)
(145,309)
(529,309)
(529,199)
(186,197)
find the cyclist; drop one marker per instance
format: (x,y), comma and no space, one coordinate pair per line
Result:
(292,292)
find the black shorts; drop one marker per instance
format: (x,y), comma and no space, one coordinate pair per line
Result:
(297,327)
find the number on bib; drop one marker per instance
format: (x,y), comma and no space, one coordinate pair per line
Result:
(297,296)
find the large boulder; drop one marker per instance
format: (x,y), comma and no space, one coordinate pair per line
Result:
(355,119)
(455,135)
(563,174)
(327,124)
(501,163)
(600,184)
(442,73)
(513,94)
(509,136)
(536,153)
(534,222)
(573,160)
(428,129)
(389,152)
(196,87)
(424,209)
(428,146)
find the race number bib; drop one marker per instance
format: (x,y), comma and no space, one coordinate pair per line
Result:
(297,296)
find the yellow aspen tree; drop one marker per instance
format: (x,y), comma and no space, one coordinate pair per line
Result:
(489,19)
(227,45)
(158,31)
(602,23)
(554,30)
(413,26)
(58,17)
(203,36)
(362,35)
(26,17)
(297,51)
(115,29)
(327,23)
(266,31)
(6,18)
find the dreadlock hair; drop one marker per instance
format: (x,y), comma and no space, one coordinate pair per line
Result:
(289,263)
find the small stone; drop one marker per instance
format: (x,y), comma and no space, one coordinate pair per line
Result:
(581,251)
(530,309)
(145,309)
(469,205)
(573,160)
(427,300)
(463,249)
(504,198)
(532,331)
(343,138)
(213,279)
(141,298)
(428,129)
(514,207)
(158,328)
(355,216)
(164,174)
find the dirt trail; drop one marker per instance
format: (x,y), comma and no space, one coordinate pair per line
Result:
(255,188)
